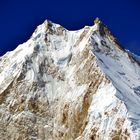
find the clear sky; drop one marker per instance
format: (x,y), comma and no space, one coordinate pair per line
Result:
(19,18)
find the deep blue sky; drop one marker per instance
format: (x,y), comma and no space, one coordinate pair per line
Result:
(19,18)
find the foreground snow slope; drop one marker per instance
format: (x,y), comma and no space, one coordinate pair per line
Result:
(70,85)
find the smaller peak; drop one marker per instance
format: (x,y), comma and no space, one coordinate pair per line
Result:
(48,23)
(101,27)
(97,21)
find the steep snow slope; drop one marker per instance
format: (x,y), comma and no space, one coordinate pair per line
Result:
(70,85)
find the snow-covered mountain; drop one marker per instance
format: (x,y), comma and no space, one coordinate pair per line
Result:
(70,85)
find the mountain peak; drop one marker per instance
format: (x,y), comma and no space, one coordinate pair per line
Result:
(101,26)
(69,85)
(97,20)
